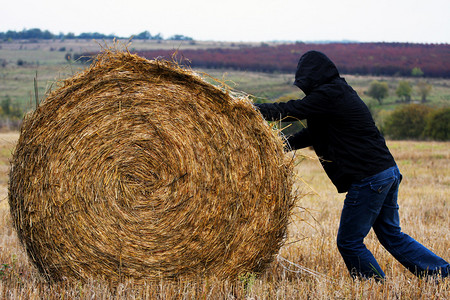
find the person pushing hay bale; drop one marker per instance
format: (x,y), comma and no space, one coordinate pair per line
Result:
(140,169)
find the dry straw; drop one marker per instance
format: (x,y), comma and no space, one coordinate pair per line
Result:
(141,169)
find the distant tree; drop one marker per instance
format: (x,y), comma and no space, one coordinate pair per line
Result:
(5,105)
(438,125)
(378,90)
(180,37)
(157,37)
(47,35)
(94,35)
(424,90)
(404,91)
(145,35)
(407,122)
(7,108)
(34,33)
(70,35)
(417,72)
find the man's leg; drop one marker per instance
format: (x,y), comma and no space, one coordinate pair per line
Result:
(361,207)
(410,253)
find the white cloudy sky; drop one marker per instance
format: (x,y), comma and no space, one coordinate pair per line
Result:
(239,20)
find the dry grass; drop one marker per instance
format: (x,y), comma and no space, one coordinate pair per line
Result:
(424,209)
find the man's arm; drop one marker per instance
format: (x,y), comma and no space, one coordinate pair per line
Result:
(311,105)
(274,112)
(301,139)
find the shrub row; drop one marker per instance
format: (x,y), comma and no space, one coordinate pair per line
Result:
(417,121)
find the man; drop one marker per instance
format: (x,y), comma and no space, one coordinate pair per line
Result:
(355,157)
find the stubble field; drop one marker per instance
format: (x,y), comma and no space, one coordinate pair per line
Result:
(308,266)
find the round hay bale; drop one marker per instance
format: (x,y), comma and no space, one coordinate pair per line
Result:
(141,169)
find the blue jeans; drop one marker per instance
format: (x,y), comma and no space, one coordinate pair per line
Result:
(372,203)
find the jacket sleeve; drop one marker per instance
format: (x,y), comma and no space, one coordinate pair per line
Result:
(300,140)
(312,105)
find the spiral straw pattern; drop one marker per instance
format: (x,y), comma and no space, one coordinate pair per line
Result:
(141,169)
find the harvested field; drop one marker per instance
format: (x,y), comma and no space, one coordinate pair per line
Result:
(424,211)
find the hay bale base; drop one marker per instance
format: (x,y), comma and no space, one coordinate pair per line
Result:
(140,169)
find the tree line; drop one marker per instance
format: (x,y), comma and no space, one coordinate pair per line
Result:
(387,59)
(36,33)
(379,90)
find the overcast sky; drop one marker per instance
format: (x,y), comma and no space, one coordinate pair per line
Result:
(239,20)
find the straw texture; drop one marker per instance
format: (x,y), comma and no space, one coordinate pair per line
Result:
(141,169)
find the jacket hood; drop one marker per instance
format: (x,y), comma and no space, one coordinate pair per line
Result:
(314,68)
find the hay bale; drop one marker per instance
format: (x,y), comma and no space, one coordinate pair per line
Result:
(140,169)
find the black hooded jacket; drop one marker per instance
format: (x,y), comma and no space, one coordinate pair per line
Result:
(340,126)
